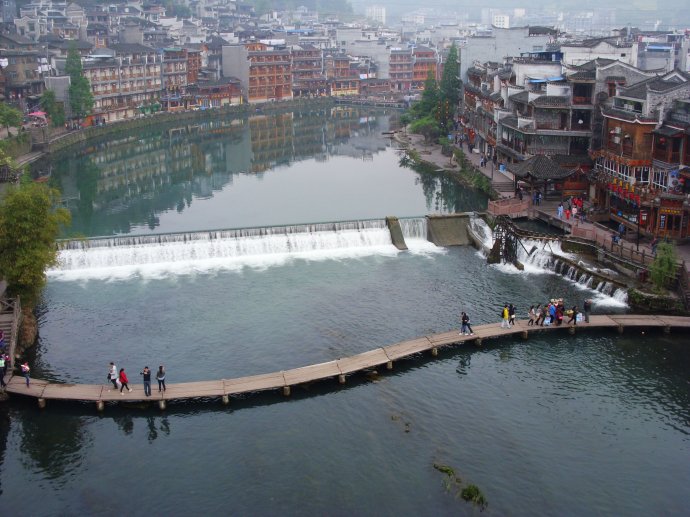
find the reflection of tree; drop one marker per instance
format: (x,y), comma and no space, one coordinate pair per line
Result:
(129,179)
(56,449)
(443,193)
(4,433)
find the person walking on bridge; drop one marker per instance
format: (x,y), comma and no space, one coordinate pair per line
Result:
(160,377)
(466,328)
(112,374)
(146,373)
(26,371)
(505,315)
(123,381)
(2,370)
(587,307)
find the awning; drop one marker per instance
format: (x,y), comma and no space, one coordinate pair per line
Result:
(668,131)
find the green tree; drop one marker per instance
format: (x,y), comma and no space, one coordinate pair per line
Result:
(29,224)
(53,108)
(665,266)
(10,117)
(427,127)
(80,96)
(426,106)
(450,81)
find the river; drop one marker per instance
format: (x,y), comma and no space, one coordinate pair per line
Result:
(596,423)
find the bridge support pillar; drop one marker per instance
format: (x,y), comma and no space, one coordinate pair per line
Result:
(286,391)
(620,329)
(478,341)
(571,330)
(667,329)
(161,404)
(434,351)
(100,405)
(225,399)
(41,403)
(389,365)
(525,334)
(341,379)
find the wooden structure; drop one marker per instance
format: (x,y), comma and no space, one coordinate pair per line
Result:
(337,369)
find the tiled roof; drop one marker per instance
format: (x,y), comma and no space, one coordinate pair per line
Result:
(130,48)
(572,160)
(551,100)
(539,167)
(583,75)
(522,97)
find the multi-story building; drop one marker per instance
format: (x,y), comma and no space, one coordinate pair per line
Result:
(125,81)
(308,74)
(173,78)
(264,71)
(193,65)
(342,75)
(637,167)
(23,82)
(401,69)
(424,61)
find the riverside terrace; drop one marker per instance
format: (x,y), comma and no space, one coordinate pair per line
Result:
(340,368)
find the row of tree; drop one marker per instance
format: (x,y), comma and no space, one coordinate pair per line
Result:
(434,114)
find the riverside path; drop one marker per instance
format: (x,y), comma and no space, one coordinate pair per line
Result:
(340,368)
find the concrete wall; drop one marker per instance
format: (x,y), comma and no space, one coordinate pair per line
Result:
(448,230)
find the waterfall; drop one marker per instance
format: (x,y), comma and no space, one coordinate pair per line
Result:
(413,227)
(482,230)
(233,249)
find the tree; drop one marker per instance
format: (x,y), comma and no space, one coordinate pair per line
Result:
(450,82)
(665,266)
(80,96)
(430,96)
(449,90)
(53,108)
(10,117)
(427,127)
(29,224)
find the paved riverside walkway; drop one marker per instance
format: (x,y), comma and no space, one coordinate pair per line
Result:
(338,369)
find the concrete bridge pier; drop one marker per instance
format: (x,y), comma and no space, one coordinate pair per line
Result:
(100,406)
(525,334)
(42,403)
(341,378)
(620,329)
(225,399)
(434,351)
(286,391)
(571,330)
(667,330)
(389,365)
(161,404)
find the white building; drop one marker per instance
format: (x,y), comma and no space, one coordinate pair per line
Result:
(502,21)
(376,13)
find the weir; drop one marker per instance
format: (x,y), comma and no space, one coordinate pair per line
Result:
(134,250)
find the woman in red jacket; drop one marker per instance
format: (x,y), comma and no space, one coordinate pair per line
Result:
(123,381)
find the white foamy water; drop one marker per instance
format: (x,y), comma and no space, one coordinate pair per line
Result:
(157,256)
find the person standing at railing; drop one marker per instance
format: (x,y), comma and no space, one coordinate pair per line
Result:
(26,371)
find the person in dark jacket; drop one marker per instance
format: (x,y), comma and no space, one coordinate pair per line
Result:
(146,374)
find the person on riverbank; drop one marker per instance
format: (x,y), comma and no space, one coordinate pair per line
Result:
(511,314)
(2,370)
(532,315)
(587,307)
(26,372)
(559,211)
(146,374)
(112,375)
(123,381)
(160,377)
(505,315)
(466,327)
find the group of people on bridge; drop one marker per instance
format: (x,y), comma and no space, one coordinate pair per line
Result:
(120,380)
(551,313)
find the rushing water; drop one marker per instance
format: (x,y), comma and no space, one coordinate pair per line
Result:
(594,423)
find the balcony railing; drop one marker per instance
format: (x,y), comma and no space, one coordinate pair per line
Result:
(582,100)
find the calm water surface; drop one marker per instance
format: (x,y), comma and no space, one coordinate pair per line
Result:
(595,423)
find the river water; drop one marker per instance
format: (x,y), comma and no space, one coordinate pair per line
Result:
(594,423)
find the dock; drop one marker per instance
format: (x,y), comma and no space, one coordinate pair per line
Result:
(339,369)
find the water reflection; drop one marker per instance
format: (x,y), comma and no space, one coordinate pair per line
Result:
(124,180)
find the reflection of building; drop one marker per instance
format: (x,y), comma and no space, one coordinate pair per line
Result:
(271,141)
